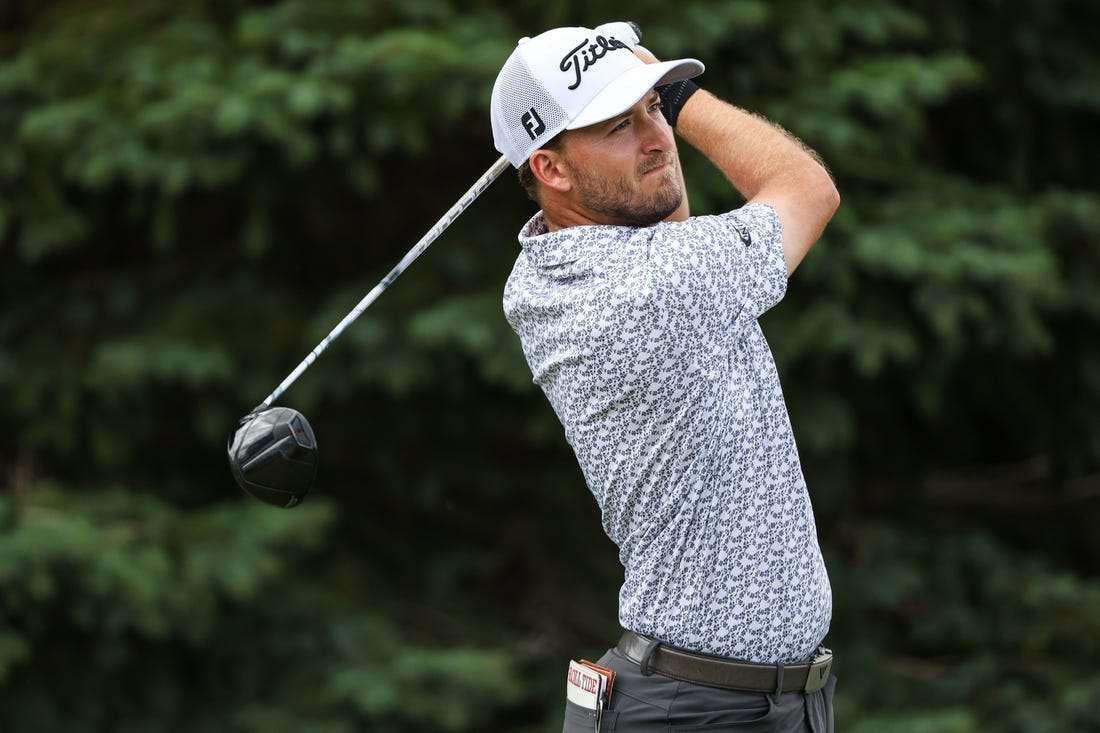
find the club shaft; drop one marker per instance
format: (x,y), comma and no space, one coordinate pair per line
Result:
(440,226)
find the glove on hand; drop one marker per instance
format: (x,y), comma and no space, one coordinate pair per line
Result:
(622,30)
(673,98)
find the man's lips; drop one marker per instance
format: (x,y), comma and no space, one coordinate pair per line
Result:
(657,166)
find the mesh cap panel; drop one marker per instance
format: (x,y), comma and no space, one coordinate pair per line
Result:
(524,115)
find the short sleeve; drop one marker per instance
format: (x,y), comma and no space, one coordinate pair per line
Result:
(765,266)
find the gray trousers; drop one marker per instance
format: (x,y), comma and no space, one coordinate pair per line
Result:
(643,703)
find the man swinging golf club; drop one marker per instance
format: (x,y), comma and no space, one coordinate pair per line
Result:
(639,323)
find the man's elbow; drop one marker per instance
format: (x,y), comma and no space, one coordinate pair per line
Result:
(825,201)
(827,196)
(823,198)
(810,211)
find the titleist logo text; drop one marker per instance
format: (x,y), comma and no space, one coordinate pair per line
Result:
(581,59)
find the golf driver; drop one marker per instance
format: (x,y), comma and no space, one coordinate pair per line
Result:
(273,451)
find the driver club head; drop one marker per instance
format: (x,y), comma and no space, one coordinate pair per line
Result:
(273,455)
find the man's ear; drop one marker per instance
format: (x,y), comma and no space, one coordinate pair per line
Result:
(550,170)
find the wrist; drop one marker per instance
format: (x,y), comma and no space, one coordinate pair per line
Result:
(673,98)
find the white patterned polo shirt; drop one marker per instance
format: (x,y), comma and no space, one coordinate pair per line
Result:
(646,343)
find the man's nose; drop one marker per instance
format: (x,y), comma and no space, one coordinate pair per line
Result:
(656,134)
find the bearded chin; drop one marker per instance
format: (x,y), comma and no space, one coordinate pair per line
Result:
(622,206)
(659,209)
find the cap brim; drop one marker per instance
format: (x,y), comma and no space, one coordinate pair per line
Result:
(630,86)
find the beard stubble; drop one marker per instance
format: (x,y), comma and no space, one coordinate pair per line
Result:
(622,203)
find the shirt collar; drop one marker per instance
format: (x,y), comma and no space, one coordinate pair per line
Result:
(546,249)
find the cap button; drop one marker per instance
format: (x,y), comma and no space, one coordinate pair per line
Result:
(523,40)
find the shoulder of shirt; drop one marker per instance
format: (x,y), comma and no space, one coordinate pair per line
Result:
(758,217)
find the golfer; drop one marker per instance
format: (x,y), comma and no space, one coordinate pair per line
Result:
(639,323)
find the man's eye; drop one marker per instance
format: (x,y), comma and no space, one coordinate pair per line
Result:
(621,126)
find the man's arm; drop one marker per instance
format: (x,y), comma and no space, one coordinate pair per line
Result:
(766,164)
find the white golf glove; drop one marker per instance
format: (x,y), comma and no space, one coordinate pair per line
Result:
(623,30)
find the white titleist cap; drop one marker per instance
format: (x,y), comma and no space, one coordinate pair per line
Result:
(567,78)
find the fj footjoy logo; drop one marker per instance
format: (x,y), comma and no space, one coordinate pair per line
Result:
(581,59)
(533,123)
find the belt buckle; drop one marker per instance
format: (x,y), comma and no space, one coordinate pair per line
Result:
(820,666)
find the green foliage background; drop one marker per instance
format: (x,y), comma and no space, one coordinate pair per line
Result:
(193,193)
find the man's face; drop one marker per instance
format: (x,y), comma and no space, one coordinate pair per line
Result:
(626,171)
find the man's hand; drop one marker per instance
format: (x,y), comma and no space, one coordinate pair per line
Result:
(623,30)
(629,33)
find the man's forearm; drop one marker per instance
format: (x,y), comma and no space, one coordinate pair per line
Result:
(750,150)
(765,163)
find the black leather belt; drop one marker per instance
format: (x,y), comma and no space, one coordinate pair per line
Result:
(729,674)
